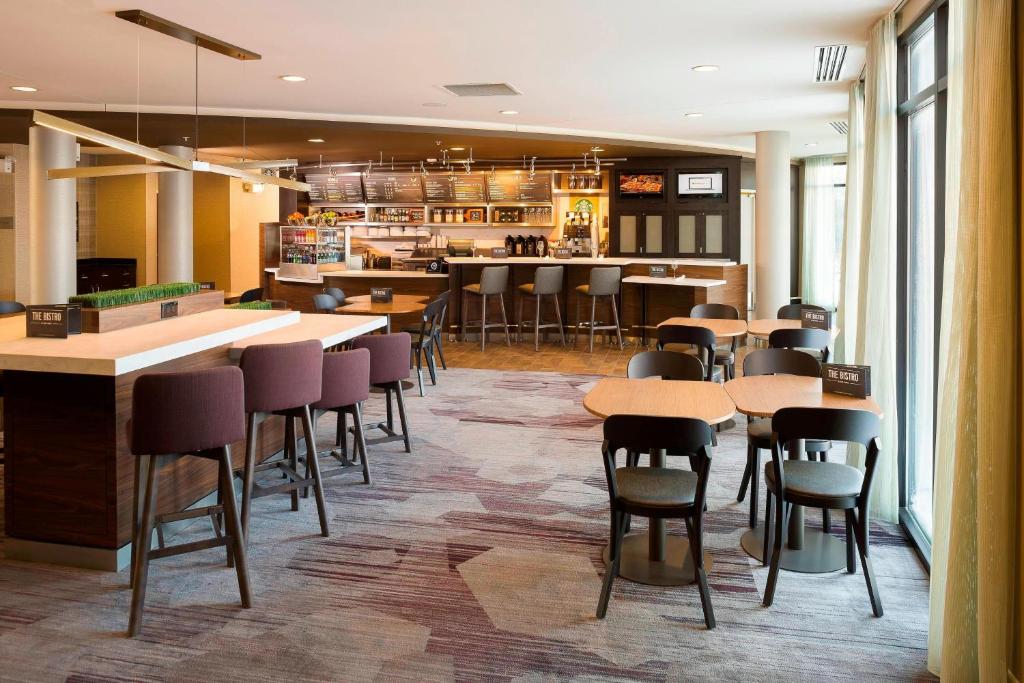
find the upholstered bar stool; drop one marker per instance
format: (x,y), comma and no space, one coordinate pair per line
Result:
(493,282)
(285,380)
(207,416)
(547,281)
(338,295)
(389,365)
(346,384)
(604,282)
(324,303)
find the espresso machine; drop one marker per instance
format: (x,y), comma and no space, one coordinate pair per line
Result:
(576,232)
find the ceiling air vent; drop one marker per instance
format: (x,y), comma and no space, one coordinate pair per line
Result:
(828,63)
(840,127)
(481,89)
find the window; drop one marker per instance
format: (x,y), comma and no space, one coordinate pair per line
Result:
(839,196)
(922,131)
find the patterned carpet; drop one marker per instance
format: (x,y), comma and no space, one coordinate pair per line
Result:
(475,558)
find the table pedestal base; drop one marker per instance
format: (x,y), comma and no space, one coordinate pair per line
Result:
(822,553)
(676,570)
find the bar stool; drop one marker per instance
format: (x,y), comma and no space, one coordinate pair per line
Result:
(346,384)
(205,417)
(324,303)
(338,295)
(285,380)
(547,281)
(493,282)
(389,365)
(603,282)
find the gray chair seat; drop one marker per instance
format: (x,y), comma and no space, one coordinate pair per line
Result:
(759,432)
(817,479)
(656,486)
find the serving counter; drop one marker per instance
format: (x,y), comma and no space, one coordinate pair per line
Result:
(69,474)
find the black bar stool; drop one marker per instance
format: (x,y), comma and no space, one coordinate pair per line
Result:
(389,365)
(547,281)
(493,282)
(346,384)
(174,415)
(604,282)
(285,380)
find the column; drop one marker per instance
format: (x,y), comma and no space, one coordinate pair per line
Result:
(174,221)
(772,227)
(52,245)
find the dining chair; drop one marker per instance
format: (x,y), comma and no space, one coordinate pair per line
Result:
(324,303)
(9,307)
(657,492)
(795,311)
(251,295)
(424,339)
(823,485)
(725,357)
(666,365)
(444,297)
(338,295)
(801,338)
(700,338)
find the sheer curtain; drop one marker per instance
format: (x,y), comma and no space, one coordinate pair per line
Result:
(846,343)
(976,595)
(817,254)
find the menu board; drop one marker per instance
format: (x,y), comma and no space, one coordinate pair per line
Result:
(518,187)
(344,189)
(442,189)
(393,187)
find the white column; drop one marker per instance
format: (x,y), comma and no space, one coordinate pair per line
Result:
(174,221)
(52,213)
(772,225)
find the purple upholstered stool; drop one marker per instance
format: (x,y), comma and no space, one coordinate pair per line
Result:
(346,381)
(389,365)
(283,379)
(184,414)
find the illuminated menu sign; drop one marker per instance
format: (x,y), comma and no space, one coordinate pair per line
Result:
(344,189)
(443,189)
(393,187)
(519,187)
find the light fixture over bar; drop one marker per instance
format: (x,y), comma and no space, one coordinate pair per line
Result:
(253,177)
(108,140)
(169,28)
(273,163)
(107,171)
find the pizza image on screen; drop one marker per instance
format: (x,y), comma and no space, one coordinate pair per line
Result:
(641,184)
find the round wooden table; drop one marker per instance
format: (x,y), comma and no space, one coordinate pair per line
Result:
(402,303)
(723,328)
(654,557)
(762,328)
(807,550)
(396,298)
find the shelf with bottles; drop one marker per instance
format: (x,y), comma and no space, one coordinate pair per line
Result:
(522,215)
(475,215)
(530,245)
(396,215)
(580,182)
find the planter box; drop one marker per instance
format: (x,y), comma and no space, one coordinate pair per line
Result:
(132,315)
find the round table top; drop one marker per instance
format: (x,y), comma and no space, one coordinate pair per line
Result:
(659,398)
(394,307)
(396,298)
(762,395)
(721,327)
(763,327)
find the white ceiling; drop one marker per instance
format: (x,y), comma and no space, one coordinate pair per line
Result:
(606,70)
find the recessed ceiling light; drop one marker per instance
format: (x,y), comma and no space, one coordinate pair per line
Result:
(292,79)
(508,112)
(706,67)
(693,114)
(456,149)
(24,88)
(315,140)
(597,149)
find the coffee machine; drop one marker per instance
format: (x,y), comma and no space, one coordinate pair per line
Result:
(576,232)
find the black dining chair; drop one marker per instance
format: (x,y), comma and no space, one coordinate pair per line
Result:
(759,431)
(725,357)
(657,492)
(324,303)
(666,365)
(826,485)
(801,338)
(338,295)
(700,338)
(795,311)
(251,295)
(9,307)
(424,339)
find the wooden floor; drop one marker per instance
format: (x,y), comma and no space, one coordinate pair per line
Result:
(606,360)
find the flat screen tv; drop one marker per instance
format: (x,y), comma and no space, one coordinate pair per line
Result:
(702,184)
(642,185)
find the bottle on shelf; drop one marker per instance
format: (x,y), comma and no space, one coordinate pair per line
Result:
(542,246)
(510,245)
(458,216)
(520,245)
(531,246)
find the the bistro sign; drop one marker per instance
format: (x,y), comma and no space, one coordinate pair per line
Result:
(56,321)
(850,380)
(815,319)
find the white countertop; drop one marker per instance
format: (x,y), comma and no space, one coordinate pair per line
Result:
(123,351)
(327,329)
(672,281)
(589,261)
(356,274)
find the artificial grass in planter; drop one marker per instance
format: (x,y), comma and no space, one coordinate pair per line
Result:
(134,295)
(253,306)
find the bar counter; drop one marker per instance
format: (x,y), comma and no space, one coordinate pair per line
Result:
(69,474)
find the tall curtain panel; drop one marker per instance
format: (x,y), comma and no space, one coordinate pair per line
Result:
(975,626)
(849,284)
(818,251)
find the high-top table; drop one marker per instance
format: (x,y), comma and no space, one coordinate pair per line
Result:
(682,281)
(654,557)
(807,550)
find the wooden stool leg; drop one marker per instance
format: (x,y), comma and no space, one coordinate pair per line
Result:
(248,475)
(314,465)
(236,548)
(144,539)
(359,440)
(140,476)
(401,416)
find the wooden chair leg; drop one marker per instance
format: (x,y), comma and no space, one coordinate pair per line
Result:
(781,516)
(236,548)
(614,553)
(359,441)
(745,481)
(313,464)
(768,524)
(860,528)
(401,416)
(696,538)
(248,475)
(143,539)
(141,474)
(755,480)
(225,489)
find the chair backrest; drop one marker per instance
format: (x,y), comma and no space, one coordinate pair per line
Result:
(494,280)
(389,355)
(548,280)
(716,311)
(282,376)
(781,362)
(666,365)
(644,433)
(338,295)
(793,311)
(431,317)
(801,338)
(324,303)
(251,295)
(700,337)
(7,307)
(605,281)
(185,412)
(346,379)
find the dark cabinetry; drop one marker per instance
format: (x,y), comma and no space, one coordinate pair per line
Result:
(701,233)
(642,233)
(102,274)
